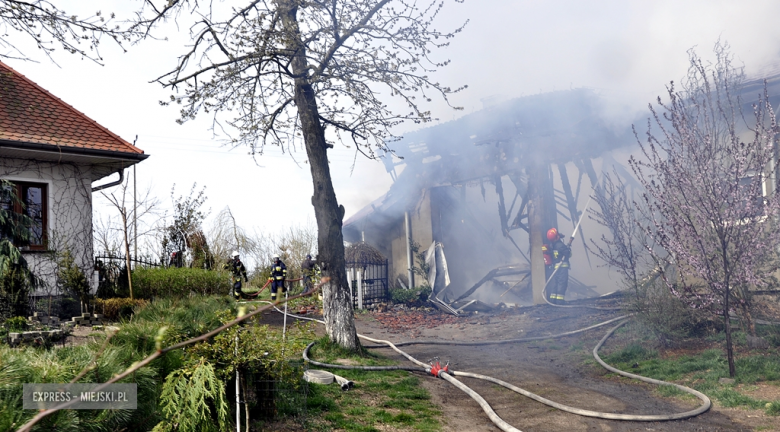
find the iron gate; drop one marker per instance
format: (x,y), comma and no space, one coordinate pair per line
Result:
(368,282)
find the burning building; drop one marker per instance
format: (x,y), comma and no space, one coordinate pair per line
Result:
(486,186)
(482,191)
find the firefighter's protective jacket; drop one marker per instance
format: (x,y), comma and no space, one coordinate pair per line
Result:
(546,254)
(308,267)
(278,271)
(560,254)
(236,267)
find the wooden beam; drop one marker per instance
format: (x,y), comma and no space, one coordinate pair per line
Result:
(501,205)
(570,202)
(535,216)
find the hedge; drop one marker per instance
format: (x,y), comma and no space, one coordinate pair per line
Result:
(179,282)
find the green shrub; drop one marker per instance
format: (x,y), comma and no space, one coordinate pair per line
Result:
(668,317)
(71,277)
(193,399)
(16,323)
(14,292)
(179,282)
(116,308)
(400,295)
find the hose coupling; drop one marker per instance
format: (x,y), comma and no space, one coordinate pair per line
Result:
(436,368)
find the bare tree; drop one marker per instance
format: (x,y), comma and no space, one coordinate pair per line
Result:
(48,26)
(705,172)
(122,200)
(283,71)
(226,235)
(624,248)
(105,235)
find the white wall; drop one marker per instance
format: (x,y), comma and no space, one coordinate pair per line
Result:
(69,199)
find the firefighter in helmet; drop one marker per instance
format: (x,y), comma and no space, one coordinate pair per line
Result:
(561,253)
(237,270)
(309,270)
(278,276)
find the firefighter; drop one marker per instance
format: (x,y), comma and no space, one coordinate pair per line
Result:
(560,257)
(237,269)
(309,270)
(548,267)
(278,276)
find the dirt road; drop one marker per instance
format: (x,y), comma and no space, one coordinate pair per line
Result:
(555,369)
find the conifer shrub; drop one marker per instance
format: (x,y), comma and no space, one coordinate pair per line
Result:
(193,400)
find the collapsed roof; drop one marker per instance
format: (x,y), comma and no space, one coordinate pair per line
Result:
(547,128)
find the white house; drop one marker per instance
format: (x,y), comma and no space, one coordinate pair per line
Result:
(53,153)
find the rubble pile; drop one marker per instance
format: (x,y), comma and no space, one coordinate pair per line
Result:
(401,320)
(52,321)
(87,319)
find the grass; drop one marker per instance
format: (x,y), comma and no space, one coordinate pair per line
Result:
(394,398)
(702,372)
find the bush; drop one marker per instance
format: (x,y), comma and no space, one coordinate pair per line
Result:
(400,295)
(668,318)
(116,308)
(179,282)
(14,292)
(71,278)
(16,323)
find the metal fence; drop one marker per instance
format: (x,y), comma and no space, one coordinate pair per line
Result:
(368,282)
(119,260)
(268,403)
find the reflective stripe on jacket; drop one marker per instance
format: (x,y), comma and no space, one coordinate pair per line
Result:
(279,271)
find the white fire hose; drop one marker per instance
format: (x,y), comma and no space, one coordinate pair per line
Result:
(500,423)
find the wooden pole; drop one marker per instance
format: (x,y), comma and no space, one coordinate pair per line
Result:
(536,225)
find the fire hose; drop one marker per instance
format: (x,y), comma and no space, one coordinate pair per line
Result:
(266,284)
(446,374)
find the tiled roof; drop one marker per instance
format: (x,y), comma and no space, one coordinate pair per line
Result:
(30,114)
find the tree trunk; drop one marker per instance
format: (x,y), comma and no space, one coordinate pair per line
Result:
(729,346)
(337,301)
(127,253)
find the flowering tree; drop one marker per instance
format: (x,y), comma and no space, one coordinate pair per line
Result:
(706,172)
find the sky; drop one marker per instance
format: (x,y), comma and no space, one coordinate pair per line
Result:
(627,50)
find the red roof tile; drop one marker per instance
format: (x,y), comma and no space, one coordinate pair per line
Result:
(30,114)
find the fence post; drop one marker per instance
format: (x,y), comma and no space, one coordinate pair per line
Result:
(359,290)
(349,283)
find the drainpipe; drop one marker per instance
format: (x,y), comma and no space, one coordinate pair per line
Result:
(112,184)
(408,225)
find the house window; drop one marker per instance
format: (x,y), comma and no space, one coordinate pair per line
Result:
(32,203)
